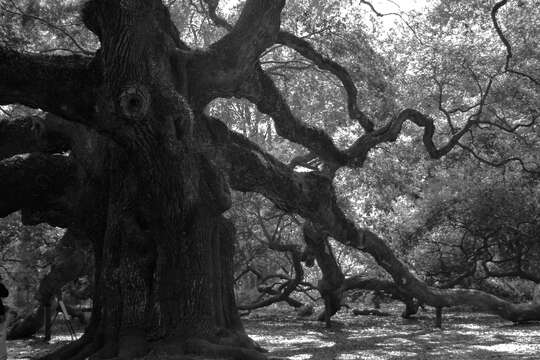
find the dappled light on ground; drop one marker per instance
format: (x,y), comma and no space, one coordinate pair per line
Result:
(464,336)
(29,349)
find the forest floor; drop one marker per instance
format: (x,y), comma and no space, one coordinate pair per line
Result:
(464,336)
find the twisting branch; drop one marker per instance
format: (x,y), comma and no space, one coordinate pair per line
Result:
(506,43)
(305,49)
(263,92)
(256,86)
(312,196)
(359,150)
(500,162)
(260,89)
(379,14)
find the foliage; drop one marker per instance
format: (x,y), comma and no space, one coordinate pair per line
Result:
(27,252)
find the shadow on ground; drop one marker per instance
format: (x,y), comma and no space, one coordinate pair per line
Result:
(464,336)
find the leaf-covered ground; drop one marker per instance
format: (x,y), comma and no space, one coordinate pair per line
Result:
(464,336)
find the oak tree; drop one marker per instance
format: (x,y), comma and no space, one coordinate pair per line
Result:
(128,157)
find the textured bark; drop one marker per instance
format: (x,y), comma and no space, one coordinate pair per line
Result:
(63,85)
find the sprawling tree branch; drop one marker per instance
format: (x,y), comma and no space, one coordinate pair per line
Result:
(304,48)
(252,83)
(386,286)
(506,43)
(35,182)
(30,134)
(63,85)
(269,100)
(312,196)
(262,91)
(359,150)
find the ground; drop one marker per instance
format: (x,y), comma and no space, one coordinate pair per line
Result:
(464,336)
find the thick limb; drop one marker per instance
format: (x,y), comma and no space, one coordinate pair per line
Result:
(312,196)
(386,286)
(28,135)
(37,182)
(58,84)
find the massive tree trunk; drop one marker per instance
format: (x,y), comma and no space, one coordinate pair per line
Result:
(165,258)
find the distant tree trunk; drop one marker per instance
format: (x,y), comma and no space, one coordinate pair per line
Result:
(330,286)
